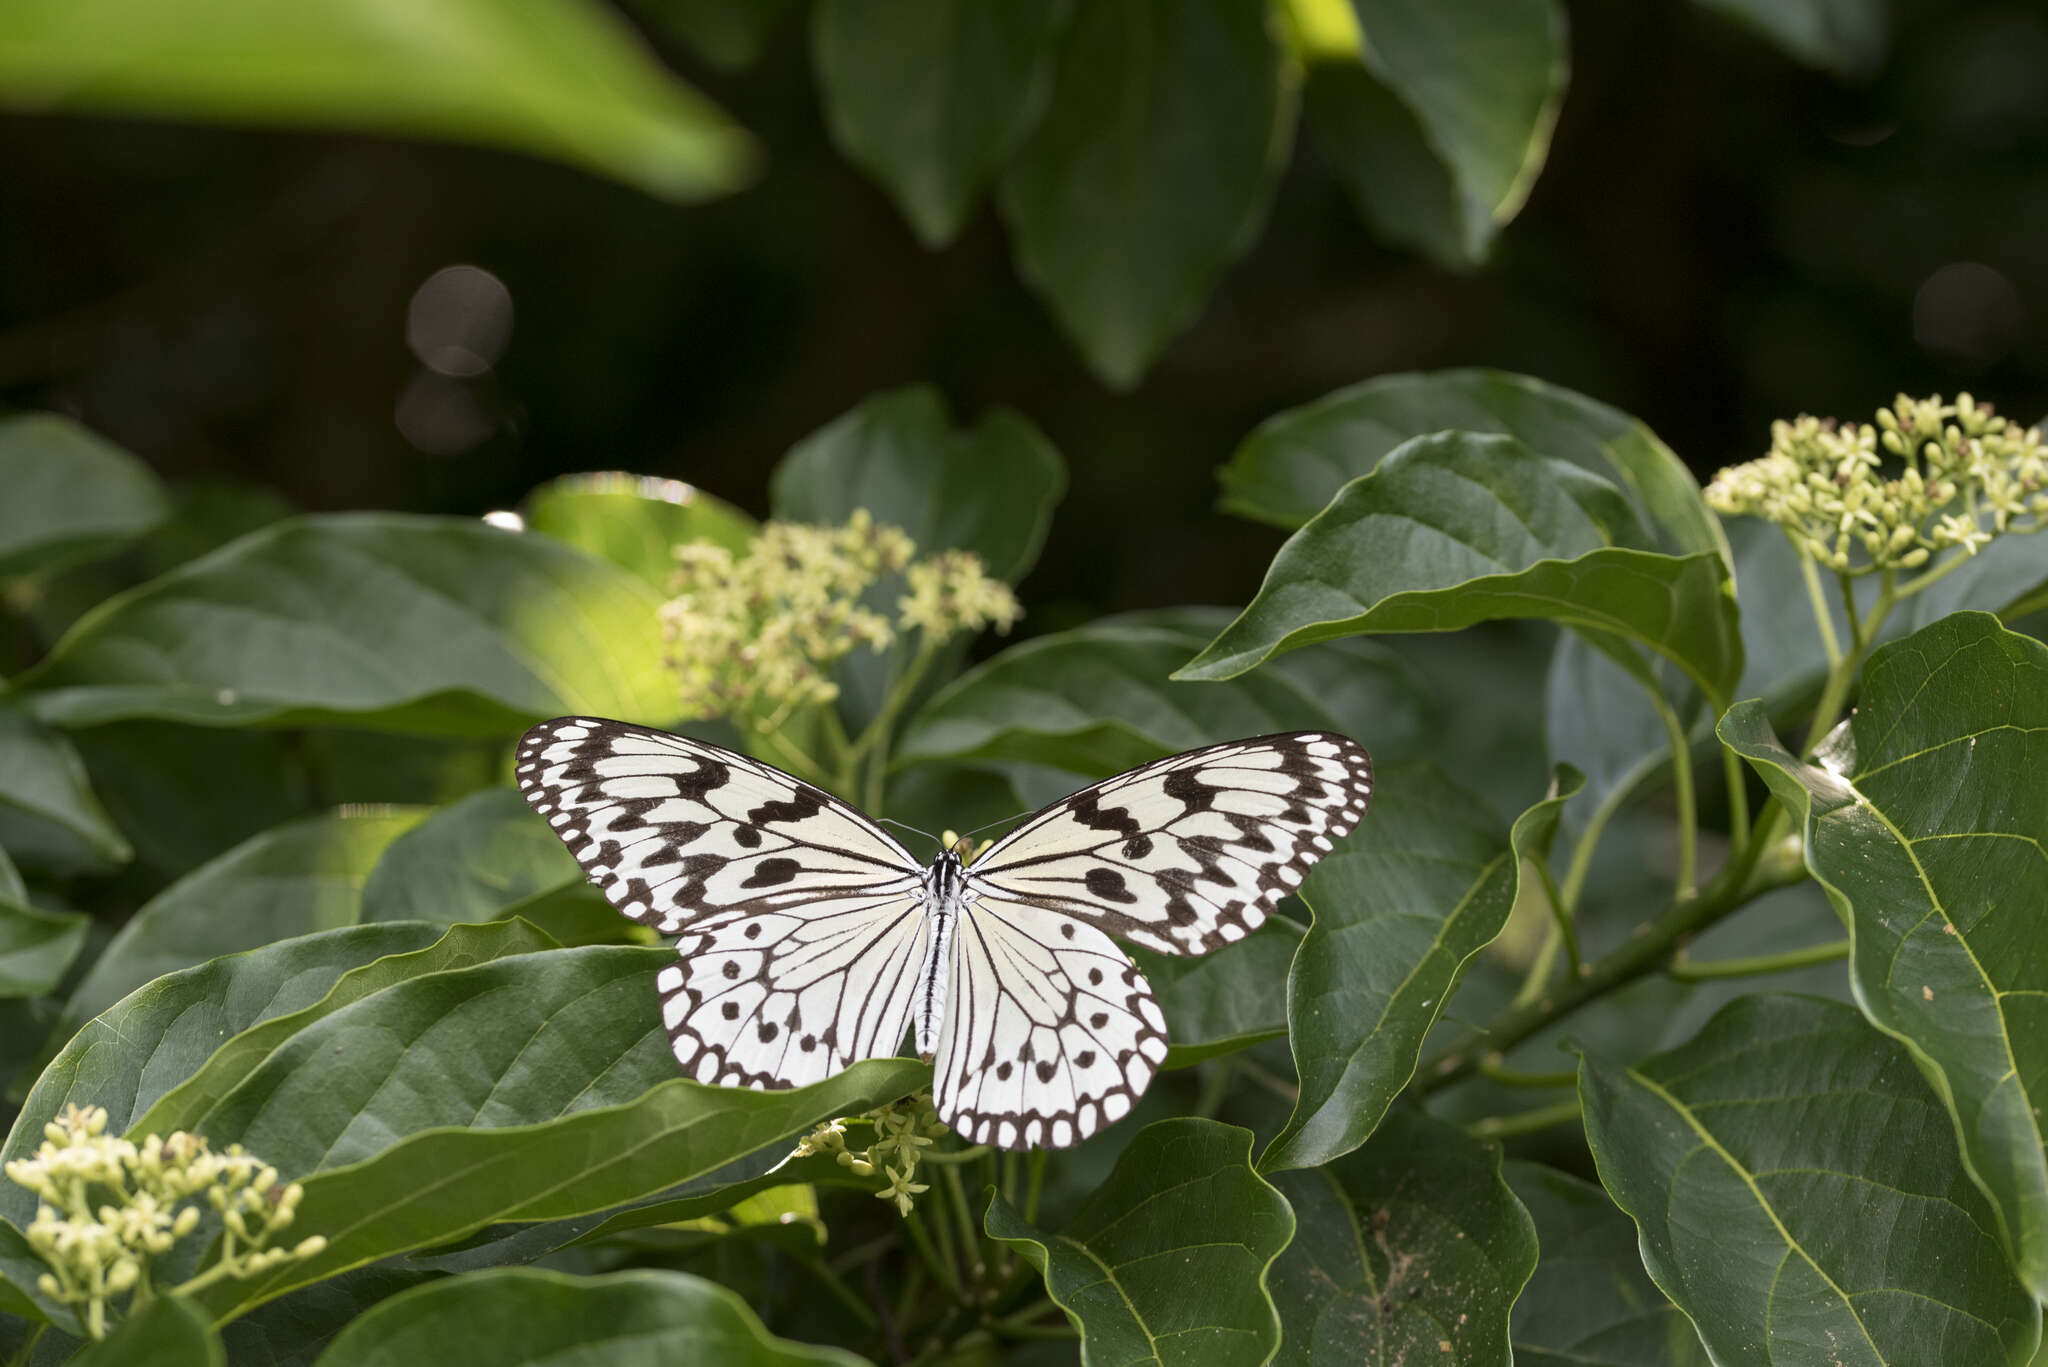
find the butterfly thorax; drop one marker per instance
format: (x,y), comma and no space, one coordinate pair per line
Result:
(946,893)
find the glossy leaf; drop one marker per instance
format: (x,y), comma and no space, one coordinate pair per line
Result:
(469,861)
(1590,1304)
(1168,1260)
(1424,883)
(634,521)
(559,79)
(70,494)
(1925,822)
(167,1332)
(1454,529)
(1150,172)
(514,1316)
(1845,37)
(1797,1190)
(42,777)
(932,96)
(1409,1250)
(441,626)
(36,946)
(303,877)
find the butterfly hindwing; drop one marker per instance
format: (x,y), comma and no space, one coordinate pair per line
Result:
(1188,853)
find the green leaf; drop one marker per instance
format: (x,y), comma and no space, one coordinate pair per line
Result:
(1296,462)
(439,626)
(1402,906)
(185,1105)
(167,1332)
(1797,1190)
(470,861)
(36,947)
(1167,1262)
(1439,120)
(292,1330)
(553,78)
(70,494)
(634,521)
(931,97)
(1844,37)
(1454,529)
(1598,718)
(1925,821)
(299,878)
(731,37)
(1222,1002)
(42,777)
(514,1316)
(1410,1250)
(1151,171)
(990,488)
(1590,1304)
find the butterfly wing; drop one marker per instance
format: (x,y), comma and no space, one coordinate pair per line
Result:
(798,919)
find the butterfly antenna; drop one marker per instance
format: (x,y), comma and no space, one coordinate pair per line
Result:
(914,830)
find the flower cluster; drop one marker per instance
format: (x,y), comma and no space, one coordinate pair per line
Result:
(903,1130)
(756,635)
(1968,475)
(147,1195)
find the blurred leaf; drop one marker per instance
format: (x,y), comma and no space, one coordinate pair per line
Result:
(513,1316)
(932,96)
(552,78)
(1846,38)
(1408,1251)
(184,1105)
(1423,884)
(11,886)
(634,521)
(1925,821)
(1590,1304)
(367,766)
(43,777)
(1454,529)
(442,626)
(36,947)
(1225,1001)
(1151,171)
(1797,1188)
(1439,120)
(730,36)
(1296,462)
(70,494)
(1168,1260)
(299,878)
(168,1331)
(468,862)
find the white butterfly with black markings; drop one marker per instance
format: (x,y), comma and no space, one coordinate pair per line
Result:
(809,938)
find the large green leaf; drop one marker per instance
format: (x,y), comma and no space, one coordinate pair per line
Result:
(42,777)
(1454,529)
(1424,883)
(932,96)
(1167,1262)
(69,493)
(1590,1304)
(634,521)
(441,626)
(300,878)
(36,946)
(1925,820)
(1799,1194)
(511,1317)
(167,1332)
(1439,120)
(1409,1250)
(557,78)
(1845,37)
(292,1330)
(1151,171)
(469,861)
(1225,1001)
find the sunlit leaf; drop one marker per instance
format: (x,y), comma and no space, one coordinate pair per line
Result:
(1797,1190)
(1409,1250)
(634,521)
(1925,820)
(70,494)
(1168,1260)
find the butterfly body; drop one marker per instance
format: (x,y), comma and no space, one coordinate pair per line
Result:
(808,938)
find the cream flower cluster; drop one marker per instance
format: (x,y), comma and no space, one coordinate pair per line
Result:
(903,1130)
(1969,475)
(756,635)
(107,1206)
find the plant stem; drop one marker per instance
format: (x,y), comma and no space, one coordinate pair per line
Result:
(1035,1185)
(970,1237)
(26,1352)
(1738,798)
(1817,598)
(942,1270)
(956,1155)
(839,1289)
(795,760)
(1696,970)
(1494,1068)
(1525,1122)
(1589,841)
(1541,966)
(1688,798)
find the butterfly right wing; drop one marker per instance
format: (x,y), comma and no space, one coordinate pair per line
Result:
(798,920)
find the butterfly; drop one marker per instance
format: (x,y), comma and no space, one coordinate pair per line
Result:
(809,938)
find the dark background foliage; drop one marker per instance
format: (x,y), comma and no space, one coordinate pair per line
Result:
(1720,237)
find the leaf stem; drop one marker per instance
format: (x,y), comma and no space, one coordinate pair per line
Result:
(1817,598)
(1035,1185)
(1493,1067)
(1526,1122)
(1698,970)
(1688,797)
(942,1269)
(970,1237)
(841,1292)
